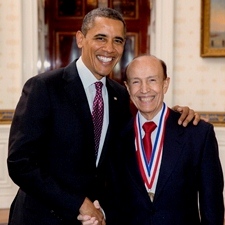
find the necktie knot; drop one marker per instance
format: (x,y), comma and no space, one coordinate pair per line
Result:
(98,86)
(149,127)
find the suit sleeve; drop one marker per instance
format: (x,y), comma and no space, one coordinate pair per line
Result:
(211,183)
(30,131)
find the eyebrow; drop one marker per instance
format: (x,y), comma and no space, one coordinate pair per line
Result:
(100,35)
(120,38)
(103,35)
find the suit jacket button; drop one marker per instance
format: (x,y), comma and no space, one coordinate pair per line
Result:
(52,212)
(152,211)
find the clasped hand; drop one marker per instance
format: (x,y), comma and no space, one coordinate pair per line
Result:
(91,213)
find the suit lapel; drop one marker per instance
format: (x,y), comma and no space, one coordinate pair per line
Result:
(171,151)
(113,99)
(171,154)
(131,160)
(75,93)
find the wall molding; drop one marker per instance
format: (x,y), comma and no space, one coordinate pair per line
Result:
(162,38)
(7,188)
(6,116)
(216,118)
(29,42)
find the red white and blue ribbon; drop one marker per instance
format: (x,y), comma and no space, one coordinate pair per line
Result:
(149,169)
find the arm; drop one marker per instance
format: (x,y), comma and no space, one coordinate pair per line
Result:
(187,115)
(211,183)
(30,159)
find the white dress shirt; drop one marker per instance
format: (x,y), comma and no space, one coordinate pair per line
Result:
(88,80)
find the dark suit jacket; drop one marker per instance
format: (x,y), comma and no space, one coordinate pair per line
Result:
(190,169)
(51,148)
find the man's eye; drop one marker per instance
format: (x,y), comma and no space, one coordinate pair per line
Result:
(100,38)
(119,41)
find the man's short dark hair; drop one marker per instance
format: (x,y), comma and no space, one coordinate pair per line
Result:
(101,12)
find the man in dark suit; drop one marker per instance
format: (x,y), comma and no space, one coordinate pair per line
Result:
(182,181)
(53,156)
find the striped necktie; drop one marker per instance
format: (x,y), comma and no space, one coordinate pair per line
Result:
(97,114)
(148,127)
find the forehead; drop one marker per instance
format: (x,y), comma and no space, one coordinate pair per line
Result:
(145,66)
(105,25)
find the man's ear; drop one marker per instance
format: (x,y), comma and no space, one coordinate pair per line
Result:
(79,39)
(126,85)
(166,84)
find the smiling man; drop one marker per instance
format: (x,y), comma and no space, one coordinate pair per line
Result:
(147,85)
(182,181)
(102,45)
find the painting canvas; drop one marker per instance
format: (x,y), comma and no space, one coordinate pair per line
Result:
(213,28)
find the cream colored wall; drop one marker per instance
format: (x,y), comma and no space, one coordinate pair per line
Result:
(18,62)
(10,53)
(197,82)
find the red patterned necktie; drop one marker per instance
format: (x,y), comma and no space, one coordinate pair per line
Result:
(148,127)
(97,114)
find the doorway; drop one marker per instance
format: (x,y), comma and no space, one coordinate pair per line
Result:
(64,17)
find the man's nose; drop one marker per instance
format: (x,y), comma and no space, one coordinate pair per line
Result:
(109,46)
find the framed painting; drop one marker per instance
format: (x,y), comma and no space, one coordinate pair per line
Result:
(213,28)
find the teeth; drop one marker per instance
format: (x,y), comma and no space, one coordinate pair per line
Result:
(105,59)
(146,99)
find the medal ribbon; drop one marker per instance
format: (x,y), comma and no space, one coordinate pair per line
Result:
(148,170)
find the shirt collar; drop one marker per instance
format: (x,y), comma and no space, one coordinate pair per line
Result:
(155,119)
(86,76)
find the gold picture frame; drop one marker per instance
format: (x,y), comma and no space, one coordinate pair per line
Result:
(6,116)
(212,28)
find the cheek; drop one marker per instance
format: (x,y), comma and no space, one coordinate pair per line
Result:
(133,91)
(161,93)
(119,49)
(89,45)
(160,89)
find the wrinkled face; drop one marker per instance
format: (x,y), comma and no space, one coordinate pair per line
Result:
(103,45)
(146,85)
